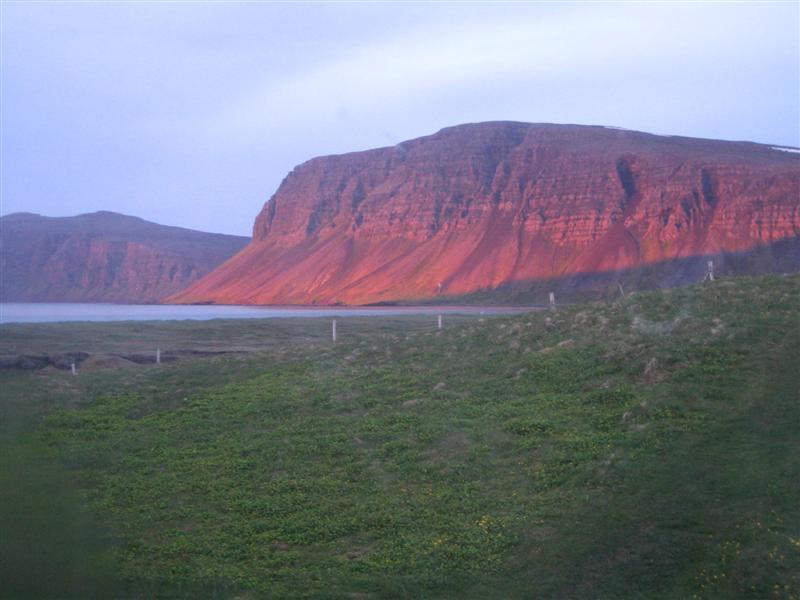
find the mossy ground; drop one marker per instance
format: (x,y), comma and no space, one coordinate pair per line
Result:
(643,448)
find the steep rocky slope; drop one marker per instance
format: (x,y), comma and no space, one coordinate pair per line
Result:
(103,257)
(480,206)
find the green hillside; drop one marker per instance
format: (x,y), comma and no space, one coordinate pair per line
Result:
(645,448)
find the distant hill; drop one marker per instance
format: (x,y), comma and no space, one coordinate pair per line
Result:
(103,257)
(479,208)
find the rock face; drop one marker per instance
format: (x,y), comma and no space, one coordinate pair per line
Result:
(478,206)
(103,257)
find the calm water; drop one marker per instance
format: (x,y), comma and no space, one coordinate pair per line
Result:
(55,312)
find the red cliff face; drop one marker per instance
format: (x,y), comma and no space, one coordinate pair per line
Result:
(103,257)
(477,206)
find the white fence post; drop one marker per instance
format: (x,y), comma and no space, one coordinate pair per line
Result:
(333,330)
(439,322)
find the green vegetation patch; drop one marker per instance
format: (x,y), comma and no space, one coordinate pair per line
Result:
(645,448)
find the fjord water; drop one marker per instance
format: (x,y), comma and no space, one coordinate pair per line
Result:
(51,312)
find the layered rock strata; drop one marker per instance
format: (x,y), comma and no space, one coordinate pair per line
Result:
(478,206)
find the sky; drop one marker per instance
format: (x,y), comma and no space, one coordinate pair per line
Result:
(191,113)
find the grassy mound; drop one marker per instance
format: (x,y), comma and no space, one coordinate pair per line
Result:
(646,448)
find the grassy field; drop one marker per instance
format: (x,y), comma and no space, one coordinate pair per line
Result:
(642,448)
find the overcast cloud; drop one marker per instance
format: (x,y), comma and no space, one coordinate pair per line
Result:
(191,113)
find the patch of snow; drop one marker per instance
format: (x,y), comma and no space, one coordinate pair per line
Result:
(617,128)
(786,149)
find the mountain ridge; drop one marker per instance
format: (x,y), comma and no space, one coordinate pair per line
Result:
(477,206)
(103,257)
